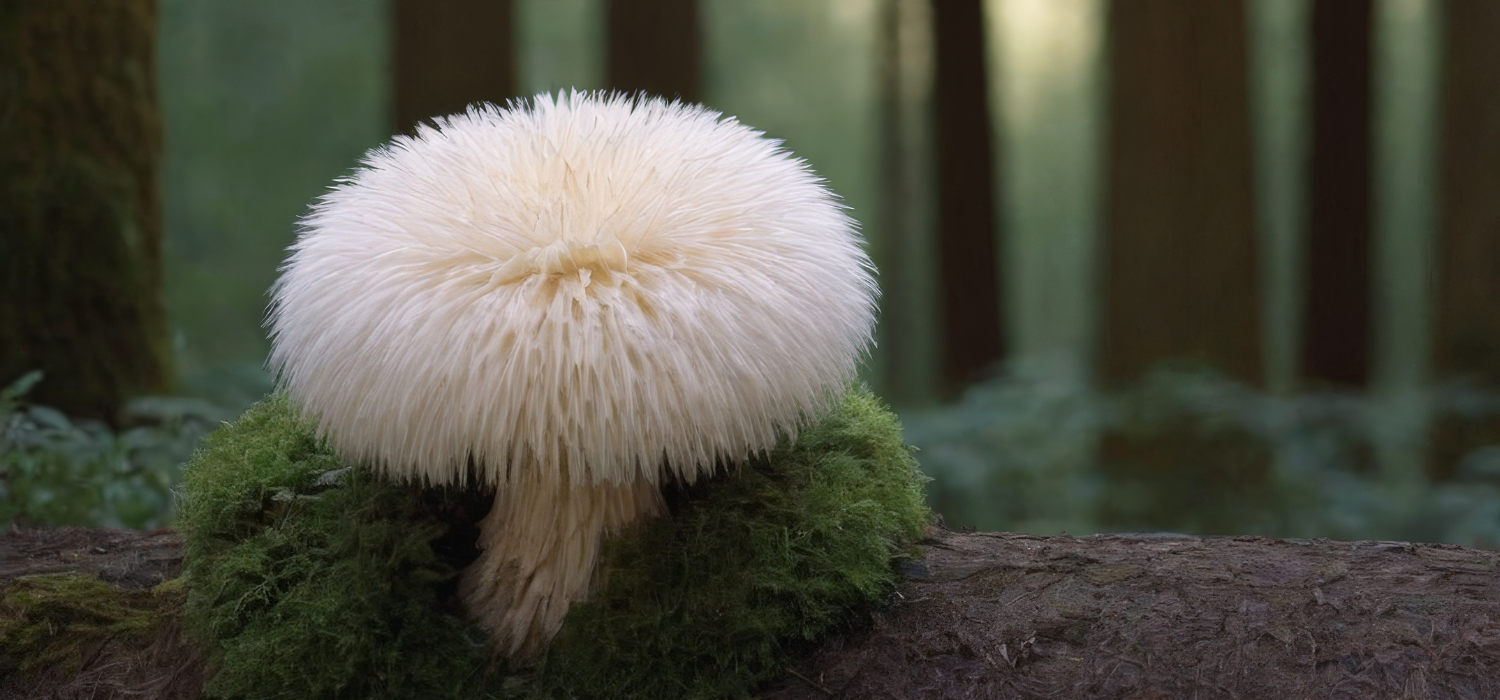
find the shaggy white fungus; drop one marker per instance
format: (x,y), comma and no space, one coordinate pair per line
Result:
(569,298)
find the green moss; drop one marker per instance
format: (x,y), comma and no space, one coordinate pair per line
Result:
(48,620)
(780,553)
(310,581)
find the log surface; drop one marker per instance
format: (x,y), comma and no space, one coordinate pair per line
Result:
(1139,617)
(994,615)
(129,559)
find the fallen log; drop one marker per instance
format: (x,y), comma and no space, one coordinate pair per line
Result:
(99,613)
(1146,617)
(997,615)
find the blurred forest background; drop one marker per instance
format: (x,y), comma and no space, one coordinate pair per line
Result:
(1212,267)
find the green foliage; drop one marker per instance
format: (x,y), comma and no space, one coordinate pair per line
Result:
(310,579)
(55,471)
(1219,457)
(50,619)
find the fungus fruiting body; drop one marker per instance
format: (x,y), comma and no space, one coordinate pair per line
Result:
(570,300)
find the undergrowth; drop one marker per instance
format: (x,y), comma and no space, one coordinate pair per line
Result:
(310,579)
(55,470)
(1188,450)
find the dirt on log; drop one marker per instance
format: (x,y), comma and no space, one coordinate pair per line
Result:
(995,615)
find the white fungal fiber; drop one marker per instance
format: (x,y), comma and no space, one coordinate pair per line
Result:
(583,288)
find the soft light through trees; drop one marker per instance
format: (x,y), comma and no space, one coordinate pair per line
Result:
(1280,61)
(1405,103)
(1047,97)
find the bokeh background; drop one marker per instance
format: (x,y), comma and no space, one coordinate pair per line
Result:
(1211,267)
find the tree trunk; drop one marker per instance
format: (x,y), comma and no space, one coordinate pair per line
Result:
(450,54)
(80,211)
(995,615)
(1180,257)
(655,47)
(1181,269)
(1468,248)
(968,262)
(1337,324)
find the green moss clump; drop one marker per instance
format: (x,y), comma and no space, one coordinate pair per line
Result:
(47,621)
(768,559)
(311,580)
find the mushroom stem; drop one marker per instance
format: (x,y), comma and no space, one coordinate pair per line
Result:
(539,550)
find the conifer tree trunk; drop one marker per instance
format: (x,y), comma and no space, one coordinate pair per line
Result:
(80,213)
(450,54)
(1181,270)
(1336,335)
(1180,260)
(655,47)
(1467,342)
(968,258)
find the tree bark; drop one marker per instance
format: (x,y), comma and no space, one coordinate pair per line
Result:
(80,212)
(450,54)
(1181,269)
(997,615)
(1336,335)
(973,337)
(1467,323)
(655,47)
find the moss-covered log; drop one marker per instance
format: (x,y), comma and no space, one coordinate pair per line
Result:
(80,219)
(94,613)
(992,615)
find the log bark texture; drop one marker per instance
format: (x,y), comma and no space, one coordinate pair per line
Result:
(996,615)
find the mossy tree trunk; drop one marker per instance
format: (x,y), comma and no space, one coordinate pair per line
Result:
(450,54)
(1181,273)
(655,47)
(80,213)
(1336,335)
(1467,340)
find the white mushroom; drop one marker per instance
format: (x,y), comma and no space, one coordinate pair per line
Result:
(569,300)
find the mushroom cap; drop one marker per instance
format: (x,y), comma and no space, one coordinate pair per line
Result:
(588,287)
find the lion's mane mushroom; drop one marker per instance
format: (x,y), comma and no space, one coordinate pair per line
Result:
(571,299)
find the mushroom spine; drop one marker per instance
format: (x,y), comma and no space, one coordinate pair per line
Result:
(569,299)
